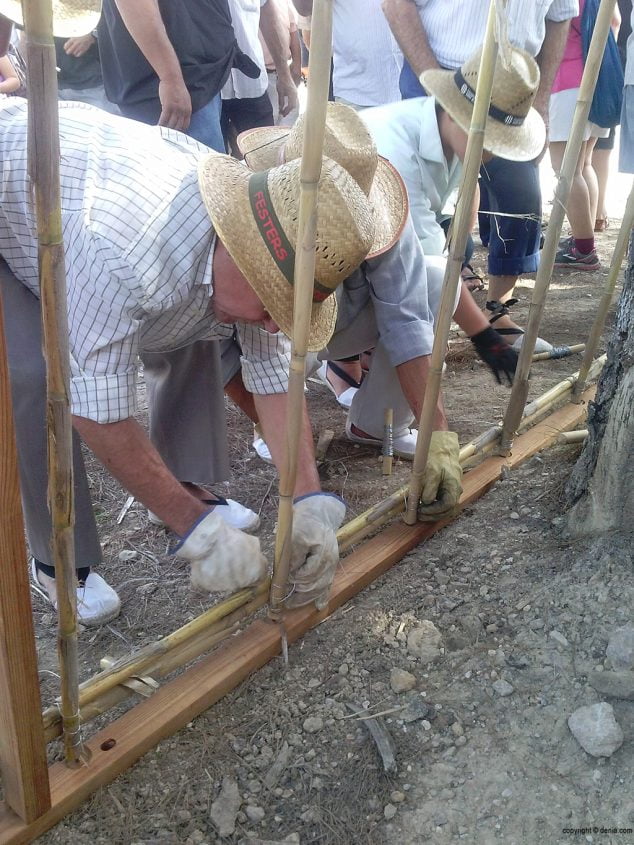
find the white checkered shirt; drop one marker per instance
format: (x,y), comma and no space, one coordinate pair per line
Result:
(138,244)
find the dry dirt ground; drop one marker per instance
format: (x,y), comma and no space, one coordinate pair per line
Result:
(483,749)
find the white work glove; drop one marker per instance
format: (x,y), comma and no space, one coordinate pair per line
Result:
(223,559)
(314,552)
(442,483)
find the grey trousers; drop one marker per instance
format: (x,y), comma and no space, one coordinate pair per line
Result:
(186,409)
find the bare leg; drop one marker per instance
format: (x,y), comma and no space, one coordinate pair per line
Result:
(578,211)
(601,164)
(591,179)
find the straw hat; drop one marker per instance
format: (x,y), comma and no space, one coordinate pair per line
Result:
(513,130)
(348,142)
(70,17)
(256,217)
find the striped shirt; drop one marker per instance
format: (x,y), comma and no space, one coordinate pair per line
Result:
(138,252)
(455,30)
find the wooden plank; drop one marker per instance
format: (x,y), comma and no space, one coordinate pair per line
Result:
(118,746)
(22,746)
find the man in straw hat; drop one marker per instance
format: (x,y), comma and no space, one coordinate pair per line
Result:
(443,34)
(389,302)
(160,239)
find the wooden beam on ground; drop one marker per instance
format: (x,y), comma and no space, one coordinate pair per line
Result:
(22,747)
(119,745)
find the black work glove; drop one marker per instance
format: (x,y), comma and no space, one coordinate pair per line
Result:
(499,357)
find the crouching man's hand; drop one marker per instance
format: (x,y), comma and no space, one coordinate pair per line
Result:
(442,484)
(499,357)
(223,559)
(315,553)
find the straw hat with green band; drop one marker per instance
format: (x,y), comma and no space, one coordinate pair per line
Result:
(70,17)
(348,142)
(256,217)
(514,130)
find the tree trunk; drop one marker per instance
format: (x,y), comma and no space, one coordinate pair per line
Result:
(601,487)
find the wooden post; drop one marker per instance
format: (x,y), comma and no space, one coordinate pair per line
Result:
(473,159)
(620,248)
(22,748)
(43,156)
(315,123)
(519,392)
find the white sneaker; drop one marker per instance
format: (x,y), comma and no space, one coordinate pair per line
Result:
(232,512)
(345,398)
(97,602)
(404,443)
(259,444)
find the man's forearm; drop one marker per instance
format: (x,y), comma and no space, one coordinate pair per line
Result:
(272,411)
(127,453)
(405,23)
(549,58)
(275,38)
(412,376)
(145,24)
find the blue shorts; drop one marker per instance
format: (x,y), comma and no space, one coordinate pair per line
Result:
(512,187)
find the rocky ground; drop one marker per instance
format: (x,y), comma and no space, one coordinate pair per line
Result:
(478,656)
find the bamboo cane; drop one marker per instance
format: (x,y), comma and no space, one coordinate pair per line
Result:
(473,159)
(189,642)
(105,690)
(315,122)
(578,436)
(43,155)
(376,516)
(596,331)
(519,392)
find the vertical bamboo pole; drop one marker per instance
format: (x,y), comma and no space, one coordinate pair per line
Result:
(319,76)
(618,255)
(473,159)
(43,156)
(22,748)
(519,392)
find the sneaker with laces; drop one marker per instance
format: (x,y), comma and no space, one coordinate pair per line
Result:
(97,602)
(575,260)
(233,513)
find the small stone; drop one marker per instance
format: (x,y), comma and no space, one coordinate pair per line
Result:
(314,683)
(517,661)
(424,642)
(401,680)
(613,684)
(596,730)
(620,648)
(343,669)
(460,741)
(514,515)
(457,729)
(397,797)
(416,709)
(313,724)
(503,688)
(127,554)
(225,808)
(559,638)
(507,793)
(389,811)
(254,814)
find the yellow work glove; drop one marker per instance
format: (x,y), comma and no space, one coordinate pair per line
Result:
(442,483)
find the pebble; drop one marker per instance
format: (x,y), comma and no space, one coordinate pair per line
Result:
(313,724)
(620,648)
(460,741)
(127,554)
(343,669)
(401,680)
(613,684)
(389,811)
(424,642)
(224,809)
(397,797)
(559,638)
(254,814)
(503,688)
(596,730)
(514,515)
(416,709)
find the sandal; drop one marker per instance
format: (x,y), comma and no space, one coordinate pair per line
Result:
(473,280)
(345,398)
(601,224)
(501,309)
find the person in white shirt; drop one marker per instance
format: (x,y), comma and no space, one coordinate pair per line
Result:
(442,34)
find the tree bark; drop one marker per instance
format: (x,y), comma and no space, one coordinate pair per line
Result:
(601,486)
